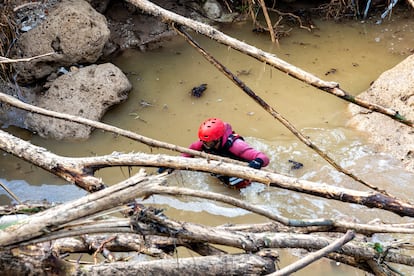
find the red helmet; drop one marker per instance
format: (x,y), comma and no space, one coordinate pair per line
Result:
(212,129)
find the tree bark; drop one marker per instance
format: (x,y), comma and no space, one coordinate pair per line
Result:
(241,264)
(312,257)
(55,218)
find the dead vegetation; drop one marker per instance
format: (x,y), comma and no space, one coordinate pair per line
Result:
(8,34)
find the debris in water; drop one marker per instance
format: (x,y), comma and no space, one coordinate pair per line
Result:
(331,71)
(199,90)
(137,116)
(144,103)
(295,165)
(243,72)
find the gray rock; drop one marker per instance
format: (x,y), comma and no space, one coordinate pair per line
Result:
(393,89)
(87,92)
(73,30)
(213,9)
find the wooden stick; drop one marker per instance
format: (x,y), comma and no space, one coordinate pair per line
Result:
(312,257)
(268,21)
(119,131)
(8,60)
(10,192)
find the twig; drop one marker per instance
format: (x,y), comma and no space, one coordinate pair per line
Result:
(312,257)
(10,192)
(8,60)
(268,21)
(26,5)
(105,252)
(272,111)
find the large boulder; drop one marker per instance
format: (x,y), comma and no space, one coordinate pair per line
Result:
(87,92)
(393,89)
(73,30)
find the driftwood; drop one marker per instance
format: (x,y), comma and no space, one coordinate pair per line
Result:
(82,217)
(80,171)
(315,256)
(74,218)
(38,260)
(8,60)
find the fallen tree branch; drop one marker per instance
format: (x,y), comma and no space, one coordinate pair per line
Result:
(51,219)
(268,21)
(238,264)
(119,131)
(312,257)
(271,59)
(81,170)
(73,219)
(10,192)
(253,242)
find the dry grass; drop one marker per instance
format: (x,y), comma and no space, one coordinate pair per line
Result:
(8,34)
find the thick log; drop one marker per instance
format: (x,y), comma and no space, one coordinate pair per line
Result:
(241,264)
(98,125)
(39,260)
(253,242)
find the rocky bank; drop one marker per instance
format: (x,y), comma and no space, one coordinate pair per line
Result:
(393,89)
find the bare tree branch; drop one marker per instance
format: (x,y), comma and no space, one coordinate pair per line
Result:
(8,60)
(312,257)
(80,171)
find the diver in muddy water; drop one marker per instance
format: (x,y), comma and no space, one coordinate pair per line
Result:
(217,137)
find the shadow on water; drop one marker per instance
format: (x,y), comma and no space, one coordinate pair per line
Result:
(160,106)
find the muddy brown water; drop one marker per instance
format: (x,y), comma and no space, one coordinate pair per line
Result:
(161,107)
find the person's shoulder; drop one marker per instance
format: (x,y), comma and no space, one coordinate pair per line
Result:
(228,127)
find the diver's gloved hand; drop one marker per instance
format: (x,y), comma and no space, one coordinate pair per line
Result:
(256,163)
(165,169)
(233,181)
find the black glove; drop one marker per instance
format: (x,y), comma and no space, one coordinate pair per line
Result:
(233,181)
(163,169)
(256,163)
